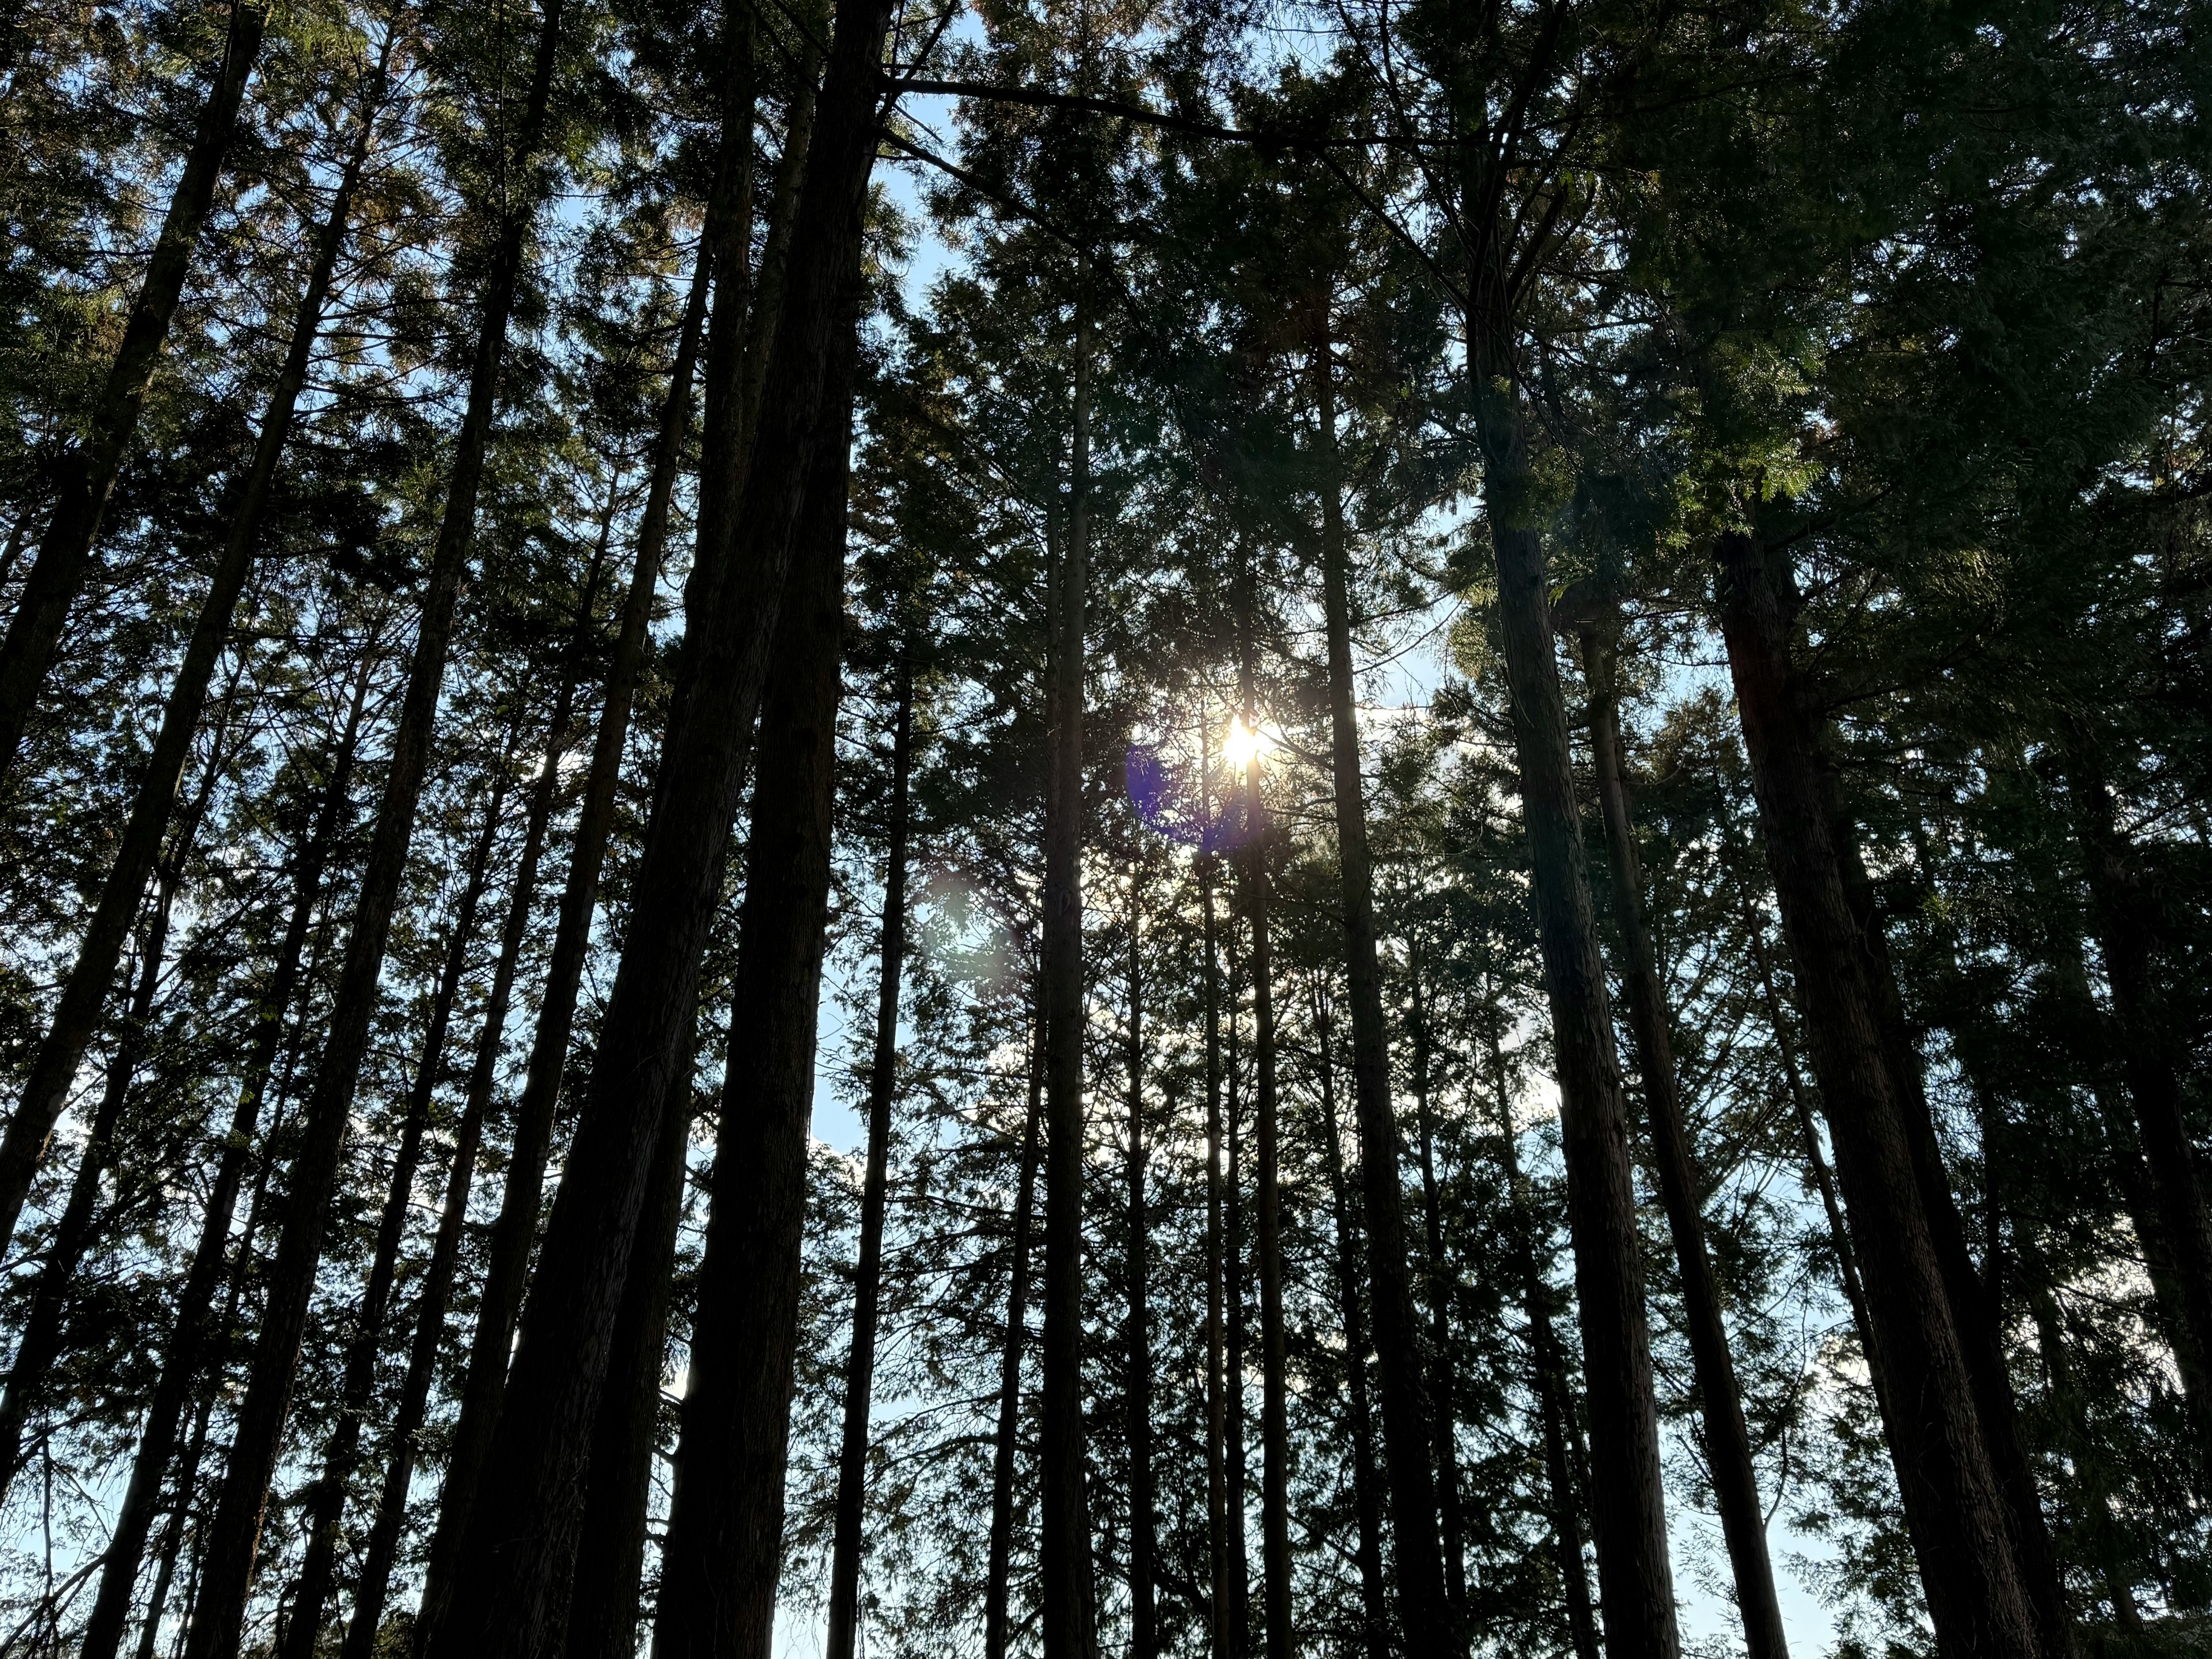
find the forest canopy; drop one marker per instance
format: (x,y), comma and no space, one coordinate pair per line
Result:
(1061,828)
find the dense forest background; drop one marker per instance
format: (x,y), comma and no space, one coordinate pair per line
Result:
(1359,830)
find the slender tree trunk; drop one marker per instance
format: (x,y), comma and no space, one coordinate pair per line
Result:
(235,1533)
(1366,1485)
(1070,1607)
(1953,1506)
(1634,1586)
(1439,1278)
(1549,1366)
(1274,1390)
(725,1542)
(868,1271)
(516,1553)
(507,1264)
(1237,1589)
(77,1017)
(41,1344)
(87,473)
(2125,940)
(1144,1631)
(191,1336)
(1974,1316)
(1726,1438)
(996,1623)
(326,1506)
(1422,1608)
(173,1540)
(603,1607)
(1216,1357)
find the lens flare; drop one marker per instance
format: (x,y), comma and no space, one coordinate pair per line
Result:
(1242,746)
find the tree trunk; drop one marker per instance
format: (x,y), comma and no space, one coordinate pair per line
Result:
(1366,1486)
(515,1557)
(1634,1586)
(2126,940)
(602,1606)
(1216,1366)
(1143,1633)
(1274,1388)
(41,1344)
(1720,1400)
(77,1016)
(235,1533)
(1550,1373)
(868,1271)
(507,1264)
(1439,1278)
(191,1336)
(325,1508)
(1974,1316)
(1422,1608)
(996,1624)
(87,473)
(1953,1507)
(724,1543)
(1070,1607)
(1236,1589)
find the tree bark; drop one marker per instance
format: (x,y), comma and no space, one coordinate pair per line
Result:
(77,1016)
(868,1271)
(1143,1631)
(1720,1402)
(1548,1364)
(1439,1278)
(517,1551)
(1634,1586)
(1366,1485)
(326,1507)
(1070,1607)
(1275,1387)
(191,1336)
(87,473)
(2126,939)
(724,1540)
(1422,1608)
(603,1607)
(996,1623)
(235,1533)
(1953,1507)
(1236,1588)
(1217,1355)
(41,1344)
(508,1263)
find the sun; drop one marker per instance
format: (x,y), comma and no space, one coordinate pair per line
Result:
(1242,746)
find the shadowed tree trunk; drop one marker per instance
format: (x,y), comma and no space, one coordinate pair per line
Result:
(192,1335)
(1275,1391)
(1953,1506)
(1636,1589)
(516,1556)
(234,1536)
(1217,1379)
(1549,1366)
(1143,1635)
(868,1271)
(41,1345)
(1066,1568)
(1727,1439)
(516,1228)
(602,1606)
(1236,1589)
(86,474)
(724,1541)
(1422,1608)
(1367,1484)
(325,1505)
(996,1624)
(1439,1278)
(77,1016)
